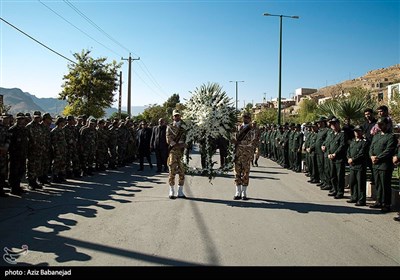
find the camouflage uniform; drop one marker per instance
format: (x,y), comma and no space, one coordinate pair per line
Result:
(244,154)
(123,139)
(102,147)
(47,152)
(88,137)
(59,152)
(36,142)
(176,137)
(113,144)
(71,134)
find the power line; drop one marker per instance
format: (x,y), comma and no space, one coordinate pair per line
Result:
(78,28)
(95,25)
(151,78)
(40,43)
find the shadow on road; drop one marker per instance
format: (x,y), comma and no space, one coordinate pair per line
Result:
(300,207)
(36,219)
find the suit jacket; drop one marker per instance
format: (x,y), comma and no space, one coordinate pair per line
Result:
(383,146)
(358,152)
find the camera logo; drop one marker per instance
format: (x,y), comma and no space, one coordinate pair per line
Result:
(11,256)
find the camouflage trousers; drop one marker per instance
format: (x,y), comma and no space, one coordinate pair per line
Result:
(242,166)
(176,167)
(34,165)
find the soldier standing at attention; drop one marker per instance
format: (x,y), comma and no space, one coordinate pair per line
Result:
(245,142)
(59,145)
(382,150)
(18,151)
(36,142)
(357,159)
(46,149)
(176,138)
(72,163)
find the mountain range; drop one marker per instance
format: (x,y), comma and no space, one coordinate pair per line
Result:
(21,101)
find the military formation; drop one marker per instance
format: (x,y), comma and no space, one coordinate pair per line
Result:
(47,150)
(325,149)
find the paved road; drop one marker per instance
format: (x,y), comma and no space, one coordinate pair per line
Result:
(124,218)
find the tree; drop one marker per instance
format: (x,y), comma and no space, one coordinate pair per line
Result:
(350,107)
(394,110)
(153,113)
(249,107)
(307,110)
(115,115)
(89,86)
(171,103)
(267,116)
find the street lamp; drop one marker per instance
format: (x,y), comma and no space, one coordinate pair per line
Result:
(280,59)
(236,82)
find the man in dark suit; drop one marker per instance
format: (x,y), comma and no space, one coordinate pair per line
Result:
(143,139)
(158,143)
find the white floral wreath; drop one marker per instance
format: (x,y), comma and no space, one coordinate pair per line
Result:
(209,114)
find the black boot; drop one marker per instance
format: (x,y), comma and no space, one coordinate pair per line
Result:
(256,162)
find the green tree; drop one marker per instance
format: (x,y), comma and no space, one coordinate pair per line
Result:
(154,112)
(308,110)
(267,116)
(171,103)
(115,115)
(89,86)
(394,106)
(249,107)
(350,107)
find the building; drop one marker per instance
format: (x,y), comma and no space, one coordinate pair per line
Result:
(301,93)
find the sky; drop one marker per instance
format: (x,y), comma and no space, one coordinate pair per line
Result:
(184,44)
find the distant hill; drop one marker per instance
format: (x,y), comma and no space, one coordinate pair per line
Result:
(25,102)
(376,81)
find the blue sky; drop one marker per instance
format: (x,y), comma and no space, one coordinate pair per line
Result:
(183,44)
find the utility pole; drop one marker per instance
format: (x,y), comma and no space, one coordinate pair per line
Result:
(130,59)
(236,87)
(120,94)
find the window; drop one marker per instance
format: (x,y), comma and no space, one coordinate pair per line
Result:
(380,96)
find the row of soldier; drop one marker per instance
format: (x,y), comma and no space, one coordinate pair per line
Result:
(70,147)
(328,148)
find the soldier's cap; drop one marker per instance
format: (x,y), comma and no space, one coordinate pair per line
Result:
(20,115)
(176,112)
(286,124)
(246,115)
(101,121)
(37,114)
(59,120)
(334,120)
(93,120)
(321,119)
(6,115)
(70,118)
(358,128)
(28,115)
(298,125)
(383,120)
(116,121)
(292,124)
(47,116)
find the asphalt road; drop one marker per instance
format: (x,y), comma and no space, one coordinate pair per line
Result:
(124,218)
